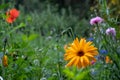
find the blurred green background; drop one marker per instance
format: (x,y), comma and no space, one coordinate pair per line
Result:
(65,13)
(36,40)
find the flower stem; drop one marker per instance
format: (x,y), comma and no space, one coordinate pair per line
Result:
(4,52)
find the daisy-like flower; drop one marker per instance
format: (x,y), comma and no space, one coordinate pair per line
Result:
(12,15)
(5,61)
(96,20)
(80,53)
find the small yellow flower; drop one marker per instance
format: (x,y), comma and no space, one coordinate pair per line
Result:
(80,53)
(5,61)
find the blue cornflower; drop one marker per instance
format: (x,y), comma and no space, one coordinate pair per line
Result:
(90,39)
(103,51)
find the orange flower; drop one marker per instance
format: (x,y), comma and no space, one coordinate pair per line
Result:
(80,53)
(5,61)
(108,60)
(10,19)
(12,15)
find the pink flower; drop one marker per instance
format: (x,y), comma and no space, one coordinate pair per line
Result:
(111,31)
(93,61)
(96,20)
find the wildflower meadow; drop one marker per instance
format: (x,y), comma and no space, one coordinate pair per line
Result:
(59,40)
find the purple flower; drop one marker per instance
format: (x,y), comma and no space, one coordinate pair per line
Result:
(93,62)
(90,39)
(111,31)
(96,20)
(103,51)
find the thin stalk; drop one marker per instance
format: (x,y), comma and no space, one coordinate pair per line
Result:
(59,64)
(70,31)
(73,36)
(4,52)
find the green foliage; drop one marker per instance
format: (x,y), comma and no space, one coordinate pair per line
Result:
(82,74)
(3,6)
(34,44)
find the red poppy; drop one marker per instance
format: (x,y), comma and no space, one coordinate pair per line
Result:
(12,15)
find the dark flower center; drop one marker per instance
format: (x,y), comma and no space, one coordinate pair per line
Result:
(81,53)
(96,22)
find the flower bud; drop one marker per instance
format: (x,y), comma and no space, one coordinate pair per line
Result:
(5,61)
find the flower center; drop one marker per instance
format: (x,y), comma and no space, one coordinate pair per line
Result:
(81,53)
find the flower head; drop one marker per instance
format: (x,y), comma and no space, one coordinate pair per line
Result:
(103,51)
(80,53)
(12,15)
(5,61)
(96,20)
(93,61)
(111,31)
(108,60)
(90,39)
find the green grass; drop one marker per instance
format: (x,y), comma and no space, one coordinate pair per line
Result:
(35,46)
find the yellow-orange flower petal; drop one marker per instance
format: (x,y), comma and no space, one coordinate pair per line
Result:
(80,53)
(108,60)
(5,61)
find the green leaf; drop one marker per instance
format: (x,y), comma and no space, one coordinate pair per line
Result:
(32,37)
(20,26)
(3,6)
(22,77)
(83,75)
(69,73)
(24,38)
